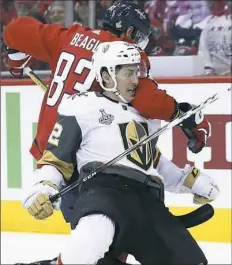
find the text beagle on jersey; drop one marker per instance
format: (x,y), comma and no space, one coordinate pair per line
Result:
(85,42)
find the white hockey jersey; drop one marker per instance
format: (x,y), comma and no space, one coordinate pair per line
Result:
(97,129)
(216,44)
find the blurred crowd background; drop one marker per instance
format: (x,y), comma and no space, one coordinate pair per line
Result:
(177,24)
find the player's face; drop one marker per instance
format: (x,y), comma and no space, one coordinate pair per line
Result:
(23,9)
(127,81)
(57,14)
(199,10)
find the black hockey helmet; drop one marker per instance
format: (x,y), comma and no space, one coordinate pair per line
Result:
(122,15)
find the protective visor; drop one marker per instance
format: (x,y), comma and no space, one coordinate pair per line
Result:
(141,39)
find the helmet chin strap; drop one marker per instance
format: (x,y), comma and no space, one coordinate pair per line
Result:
(114,89)
(117,93)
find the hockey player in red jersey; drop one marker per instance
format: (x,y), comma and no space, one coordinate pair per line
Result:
(69,51)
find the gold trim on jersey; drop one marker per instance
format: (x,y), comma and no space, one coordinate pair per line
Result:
(131,134)
(48,158)
(157,157)
(192,177)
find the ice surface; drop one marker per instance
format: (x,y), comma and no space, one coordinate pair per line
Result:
(23,247)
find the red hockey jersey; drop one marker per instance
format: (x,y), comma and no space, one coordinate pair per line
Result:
(68,52)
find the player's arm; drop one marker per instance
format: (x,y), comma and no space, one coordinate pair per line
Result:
(57,163)
(28,35)
(62,146)
(188,180)
(154,103)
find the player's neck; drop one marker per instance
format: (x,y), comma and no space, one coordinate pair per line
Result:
(111,95)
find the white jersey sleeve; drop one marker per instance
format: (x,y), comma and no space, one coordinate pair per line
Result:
(66,137)
(173,176)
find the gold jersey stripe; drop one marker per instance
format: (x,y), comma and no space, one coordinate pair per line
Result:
(49,158)
(157,157)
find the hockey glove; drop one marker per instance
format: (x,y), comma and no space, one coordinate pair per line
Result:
(199,137)
(202,186)
(209,71)
(37,201)
(17,61)
(196,128)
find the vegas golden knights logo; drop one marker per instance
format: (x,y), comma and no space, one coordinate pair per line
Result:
(132,133)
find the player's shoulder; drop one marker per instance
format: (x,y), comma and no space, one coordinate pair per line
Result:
(100,35)
(78,103)
(77,28)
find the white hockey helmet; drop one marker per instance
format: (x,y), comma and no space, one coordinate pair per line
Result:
(111,54)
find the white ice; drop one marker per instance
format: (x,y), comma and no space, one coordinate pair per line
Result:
(25,247)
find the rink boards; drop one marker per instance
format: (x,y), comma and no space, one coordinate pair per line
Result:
(20,106)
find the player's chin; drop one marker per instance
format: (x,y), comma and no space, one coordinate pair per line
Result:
(130,95)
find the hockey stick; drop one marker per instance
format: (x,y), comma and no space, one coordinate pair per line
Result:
(197,217)
(35,78)
(137,145)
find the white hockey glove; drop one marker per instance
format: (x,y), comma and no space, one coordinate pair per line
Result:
(17,61)
(37,201)
(202,186)
(209,70)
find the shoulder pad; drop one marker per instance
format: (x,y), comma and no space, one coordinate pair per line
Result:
(74,104)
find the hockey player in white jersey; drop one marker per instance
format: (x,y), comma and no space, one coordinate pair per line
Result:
(216,41)
(113,211)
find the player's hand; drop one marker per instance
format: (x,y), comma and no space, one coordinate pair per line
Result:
(203,187)
(37,201)
(196,128)
(209,71)
(17,61)
(200,136)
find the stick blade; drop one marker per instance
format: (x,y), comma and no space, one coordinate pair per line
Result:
(198,216)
